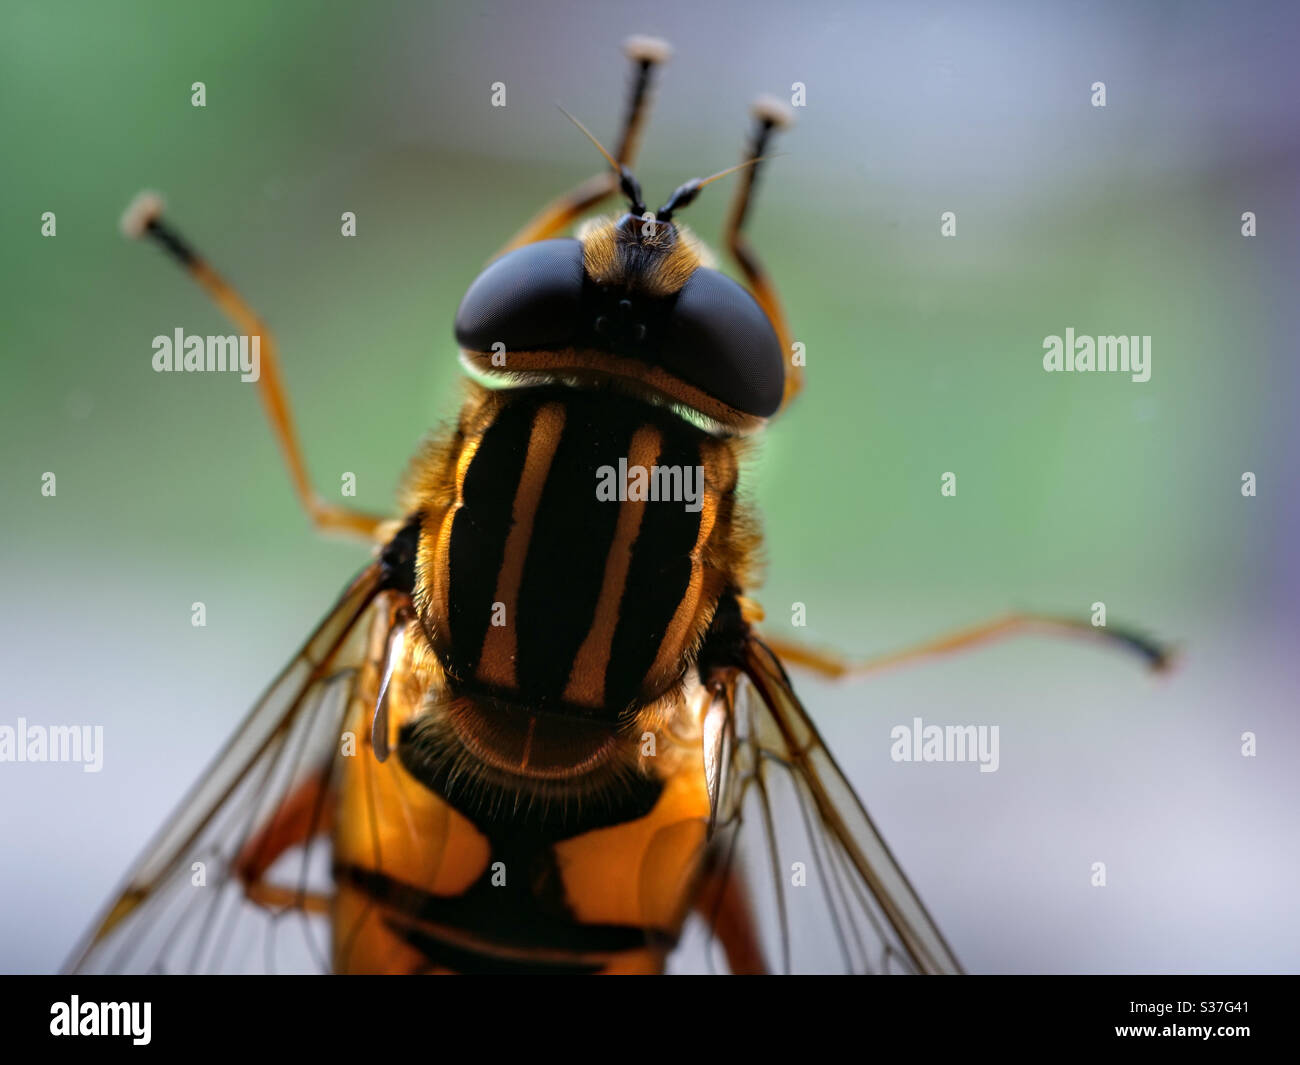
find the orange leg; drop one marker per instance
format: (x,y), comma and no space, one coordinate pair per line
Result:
(144,218)
(303,816)
(832,665)
(769,115)
(646,54)
(722,901)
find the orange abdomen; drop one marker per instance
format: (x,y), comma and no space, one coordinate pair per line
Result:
(421,887)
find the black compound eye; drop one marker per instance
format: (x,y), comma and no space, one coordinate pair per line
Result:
(719,340)
(528,298)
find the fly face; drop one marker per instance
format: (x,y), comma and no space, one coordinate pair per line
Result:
(629,302)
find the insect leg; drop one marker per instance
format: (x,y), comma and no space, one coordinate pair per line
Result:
(144,218)
(829,664)
(646,53)
(723,902)
(769,114)
(303,816)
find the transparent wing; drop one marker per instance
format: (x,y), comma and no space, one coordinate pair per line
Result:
(825,892)
(183,908)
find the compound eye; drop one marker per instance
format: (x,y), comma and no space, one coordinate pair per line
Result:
(720,340)
(527,299)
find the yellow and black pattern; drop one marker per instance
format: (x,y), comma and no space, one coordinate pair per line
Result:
(433,876)
(546,594)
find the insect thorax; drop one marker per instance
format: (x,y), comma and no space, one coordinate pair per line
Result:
(580,553)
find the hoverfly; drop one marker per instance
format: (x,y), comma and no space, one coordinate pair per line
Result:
(535,732)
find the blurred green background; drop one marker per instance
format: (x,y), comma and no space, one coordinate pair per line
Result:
(924,356)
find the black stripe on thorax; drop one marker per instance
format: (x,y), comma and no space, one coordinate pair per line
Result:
(479,531)
(657,580)
(571,538)
(572,534)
